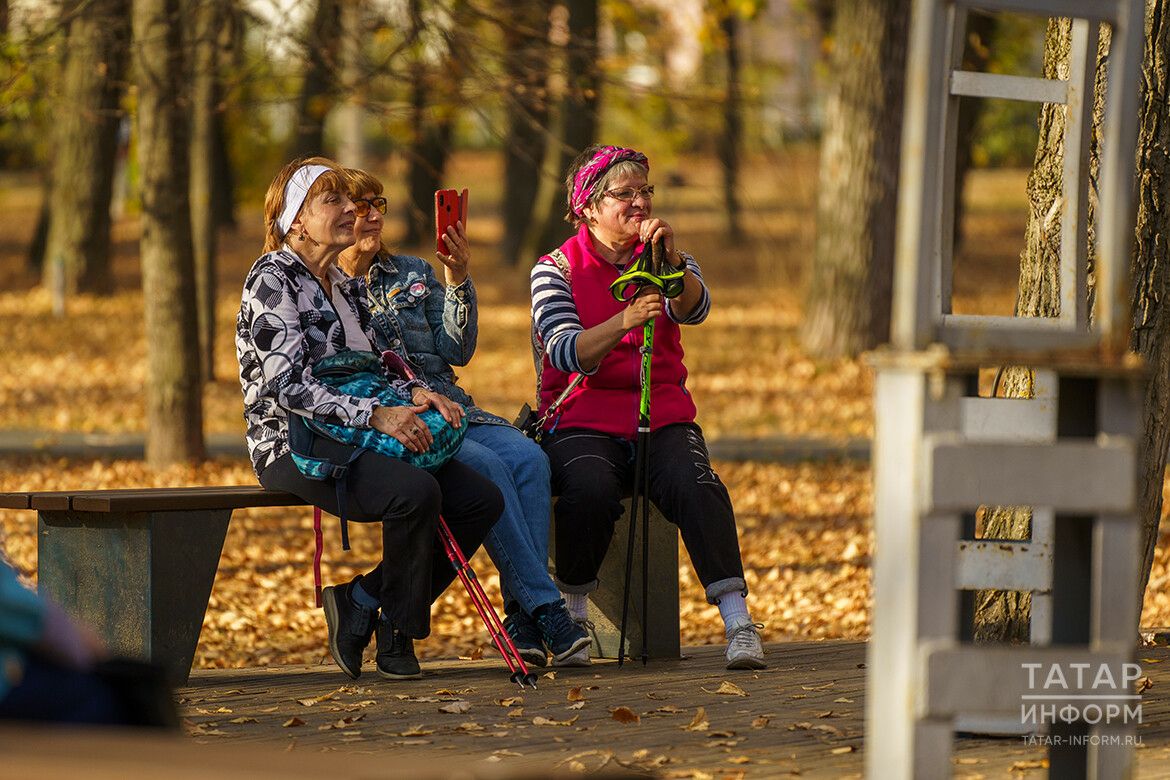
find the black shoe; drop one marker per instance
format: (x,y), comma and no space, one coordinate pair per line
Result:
(350,626)
(395,658)
(525,634)
(561,634)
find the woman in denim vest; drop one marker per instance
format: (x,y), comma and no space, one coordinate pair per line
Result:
(434,326)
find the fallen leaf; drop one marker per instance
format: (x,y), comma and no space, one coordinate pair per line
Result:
(269,709)
(842,750)
(416,731)
(1020,766)
(292,722)
(824,714)
(540,720)
(728,689)
(720,734)
(842,700)
(761,722)
(670,709)
(516,713)
(470,726)
(1143,684)
(456,707)
(243,720)
(625,715)
(318,699)
(576,706)
(739,760)
(818,687)
(575,694)
(474,655)
(699,722)
(549,675)
(508,702)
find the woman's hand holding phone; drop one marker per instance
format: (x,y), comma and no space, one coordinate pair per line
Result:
(451,246)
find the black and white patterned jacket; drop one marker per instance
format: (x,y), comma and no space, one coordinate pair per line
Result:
(286,325)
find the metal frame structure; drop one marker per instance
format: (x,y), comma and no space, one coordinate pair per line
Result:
(941,451)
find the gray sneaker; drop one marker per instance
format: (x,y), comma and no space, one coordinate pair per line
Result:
(744,650)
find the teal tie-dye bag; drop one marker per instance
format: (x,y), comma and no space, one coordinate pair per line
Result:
(364,375)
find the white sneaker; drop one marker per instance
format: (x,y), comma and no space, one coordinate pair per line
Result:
(744,650)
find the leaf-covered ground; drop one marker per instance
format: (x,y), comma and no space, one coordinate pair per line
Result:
(805,529)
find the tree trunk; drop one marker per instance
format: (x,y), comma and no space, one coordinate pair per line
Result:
(77,249)
(351,147)
(434,101)
(732,127)
(847,307)
(578,119)
(527,66)
(317,90)
(428,158)
(174,414)
(206,17)
(1005,615)
(1151,280)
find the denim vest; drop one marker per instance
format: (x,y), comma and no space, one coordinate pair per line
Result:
(432,326)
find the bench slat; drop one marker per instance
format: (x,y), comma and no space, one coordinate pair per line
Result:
(148,499)
(177,499)
(15,500)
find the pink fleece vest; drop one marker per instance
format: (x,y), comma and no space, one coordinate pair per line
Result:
(607,400)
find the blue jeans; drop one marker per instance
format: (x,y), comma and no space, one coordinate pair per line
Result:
(518,544)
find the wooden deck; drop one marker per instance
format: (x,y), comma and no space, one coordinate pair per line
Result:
(803,716)
(690,718)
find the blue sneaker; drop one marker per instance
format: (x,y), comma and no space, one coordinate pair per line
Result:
(525,634)
(566,640)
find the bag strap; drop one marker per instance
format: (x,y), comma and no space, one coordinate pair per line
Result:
(562,262)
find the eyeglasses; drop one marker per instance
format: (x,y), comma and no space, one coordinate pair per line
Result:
(628,194)
(362,206)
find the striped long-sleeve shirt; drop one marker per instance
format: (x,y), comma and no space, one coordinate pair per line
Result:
(558,325)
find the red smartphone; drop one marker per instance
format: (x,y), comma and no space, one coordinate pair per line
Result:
(450,207)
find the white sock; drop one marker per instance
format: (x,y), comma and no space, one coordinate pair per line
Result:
(578,604)
(733,609)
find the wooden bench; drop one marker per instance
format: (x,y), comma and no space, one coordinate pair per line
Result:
(138,566)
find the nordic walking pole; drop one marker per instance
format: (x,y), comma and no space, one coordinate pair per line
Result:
(641,491)
(520,674)
(641,273)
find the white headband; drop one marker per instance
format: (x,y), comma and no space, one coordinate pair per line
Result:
(295,192)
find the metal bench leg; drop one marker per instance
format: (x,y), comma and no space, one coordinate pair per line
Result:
(141,580)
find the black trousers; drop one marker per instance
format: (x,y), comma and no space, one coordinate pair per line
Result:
(592,472)
(407,501)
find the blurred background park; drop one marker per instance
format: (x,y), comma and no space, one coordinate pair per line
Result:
(137,139)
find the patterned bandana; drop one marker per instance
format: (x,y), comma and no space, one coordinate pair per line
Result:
(594,171)
(295,193)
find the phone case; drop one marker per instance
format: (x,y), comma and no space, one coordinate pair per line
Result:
(450,207)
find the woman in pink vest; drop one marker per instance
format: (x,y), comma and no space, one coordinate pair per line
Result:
(590,436)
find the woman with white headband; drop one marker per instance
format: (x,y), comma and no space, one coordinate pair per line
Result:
(297,309)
